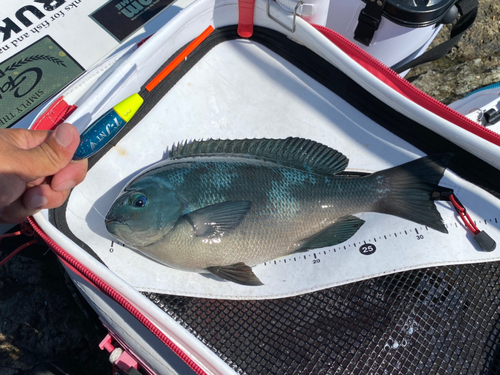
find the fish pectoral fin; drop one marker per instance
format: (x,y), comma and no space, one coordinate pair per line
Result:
(338,232)
(238,273)
(218,218)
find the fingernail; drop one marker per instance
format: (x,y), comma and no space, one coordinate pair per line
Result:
(63,135)
(37,201)
(66,185)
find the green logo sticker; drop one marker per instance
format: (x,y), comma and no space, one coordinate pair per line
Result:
(32,76)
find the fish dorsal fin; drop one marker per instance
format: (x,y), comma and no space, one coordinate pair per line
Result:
(298,153)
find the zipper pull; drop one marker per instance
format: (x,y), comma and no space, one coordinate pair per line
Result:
(482,238)
(119,357)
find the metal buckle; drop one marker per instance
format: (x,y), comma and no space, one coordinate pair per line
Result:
(291,29)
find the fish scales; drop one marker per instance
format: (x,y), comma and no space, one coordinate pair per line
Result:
(225,213)
(283,209)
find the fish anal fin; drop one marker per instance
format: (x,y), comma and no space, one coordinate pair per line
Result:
(338,232)
(238,273)
(218,218)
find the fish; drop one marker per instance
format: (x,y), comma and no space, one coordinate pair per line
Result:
(224,206)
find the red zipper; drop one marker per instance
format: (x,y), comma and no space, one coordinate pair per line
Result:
(395,81)
(105,288)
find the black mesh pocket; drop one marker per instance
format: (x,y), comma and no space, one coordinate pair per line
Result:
(440,320)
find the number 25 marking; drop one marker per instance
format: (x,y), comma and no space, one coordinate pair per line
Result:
(367,249)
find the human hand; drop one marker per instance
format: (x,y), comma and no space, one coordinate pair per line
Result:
(36,170)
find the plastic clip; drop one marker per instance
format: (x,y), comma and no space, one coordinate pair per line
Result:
(492,116)
(119,357)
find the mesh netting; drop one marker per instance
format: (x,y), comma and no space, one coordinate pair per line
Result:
(440,320)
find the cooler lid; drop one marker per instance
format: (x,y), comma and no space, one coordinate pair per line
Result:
(419,13)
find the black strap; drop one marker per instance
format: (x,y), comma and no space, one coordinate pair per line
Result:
(468,12)
(369,21)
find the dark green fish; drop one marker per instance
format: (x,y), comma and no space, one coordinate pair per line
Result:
(222,206)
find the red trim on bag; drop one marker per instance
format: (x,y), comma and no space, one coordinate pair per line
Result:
(73,269)
(105,288)
(55,115)
(405,88)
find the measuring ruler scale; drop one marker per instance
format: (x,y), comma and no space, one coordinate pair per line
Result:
(383,245)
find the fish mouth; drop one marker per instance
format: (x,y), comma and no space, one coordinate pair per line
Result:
(118,229)
(108,221)
(120,220)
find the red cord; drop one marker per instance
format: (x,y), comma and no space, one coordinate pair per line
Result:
(8,257)
(10,235)
(464,215)
(27,230)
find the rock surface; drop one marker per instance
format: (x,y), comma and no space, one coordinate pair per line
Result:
(43,318)
(473,63)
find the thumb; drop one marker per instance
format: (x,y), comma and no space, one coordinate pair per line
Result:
(52,155)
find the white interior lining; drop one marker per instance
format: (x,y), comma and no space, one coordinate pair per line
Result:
(242,90)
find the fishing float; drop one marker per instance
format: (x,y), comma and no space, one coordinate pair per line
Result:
(106,127)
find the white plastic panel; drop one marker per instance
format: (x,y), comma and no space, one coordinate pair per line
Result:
(242,90)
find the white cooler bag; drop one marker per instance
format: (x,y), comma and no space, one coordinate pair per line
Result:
(363,306)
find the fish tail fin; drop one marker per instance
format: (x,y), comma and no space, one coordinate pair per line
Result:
(407,190)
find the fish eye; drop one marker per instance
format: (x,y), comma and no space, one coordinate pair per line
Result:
(140,201)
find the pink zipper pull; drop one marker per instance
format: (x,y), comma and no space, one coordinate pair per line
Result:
(119,357)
